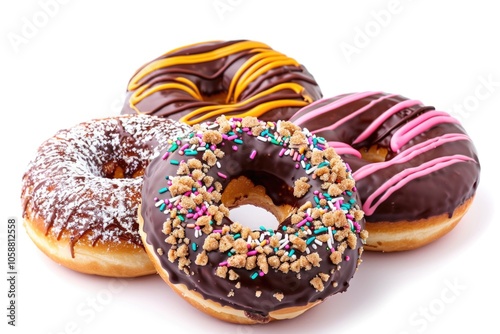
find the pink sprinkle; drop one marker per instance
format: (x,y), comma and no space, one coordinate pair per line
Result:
(302,222)
(165,156)
(316,192)
(295,156)
(210,189)
(233,137)
(213,147)
(253,154)
(251,253)
(223,264)
(261,273)
(347,258)
(249,246)
(184,147)
(197,227)
(224,136)
(282,152)
(235,148)
(189,215)
(224,176)
(287,246)
(297,166)
(217,231)
(196,215)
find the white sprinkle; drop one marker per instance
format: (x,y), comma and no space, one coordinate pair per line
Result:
(218,164)
(284,244)
(263,139)
(311,170)
(173,199)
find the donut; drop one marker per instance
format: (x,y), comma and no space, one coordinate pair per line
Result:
(228,269)
(81,192)
(415,167)
(236,78)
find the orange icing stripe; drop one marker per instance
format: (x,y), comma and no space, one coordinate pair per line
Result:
(144,92)
(214,110)
(192,59)
(274,62)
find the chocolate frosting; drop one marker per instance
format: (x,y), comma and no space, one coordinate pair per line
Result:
(235,78)
(431,166)
(277,174)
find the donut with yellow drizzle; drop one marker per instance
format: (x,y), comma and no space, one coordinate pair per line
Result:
(239,78)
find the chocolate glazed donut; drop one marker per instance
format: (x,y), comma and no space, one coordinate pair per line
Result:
(416,168)
(228,270)
(239,78)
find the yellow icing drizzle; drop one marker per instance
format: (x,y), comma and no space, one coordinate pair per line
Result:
(217,110)
(265,59)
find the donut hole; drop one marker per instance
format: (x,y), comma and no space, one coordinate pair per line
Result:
(260,210)
(120,170)
(374,153)
(253,217)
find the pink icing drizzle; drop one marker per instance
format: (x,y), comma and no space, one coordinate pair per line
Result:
(400,179)
(408,154)
(343,148)
(331,106)
(384,117)
(352,115)
(417,126)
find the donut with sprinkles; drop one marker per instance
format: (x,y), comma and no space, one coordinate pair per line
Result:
(232,271)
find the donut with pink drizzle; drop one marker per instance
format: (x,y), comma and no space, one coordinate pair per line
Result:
(415,167)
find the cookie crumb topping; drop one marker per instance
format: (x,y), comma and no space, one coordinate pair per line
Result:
(316,235)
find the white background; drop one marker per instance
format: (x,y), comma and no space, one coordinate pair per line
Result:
(75,60)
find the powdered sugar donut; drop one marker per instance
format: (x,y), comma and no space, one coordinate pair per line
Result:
(81,192)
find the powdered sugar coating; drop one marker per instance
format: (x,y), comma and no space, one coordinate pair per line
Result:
(69,184)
